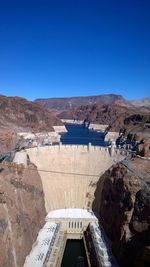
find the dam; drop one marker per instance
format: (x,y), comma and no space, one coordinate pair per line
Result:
(69,173)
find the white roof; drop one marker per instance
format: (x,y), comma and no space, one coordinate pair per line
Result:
(40,248)
(71,213)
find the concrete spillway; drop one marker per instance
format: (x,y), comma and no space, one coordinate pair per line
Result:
(76,172)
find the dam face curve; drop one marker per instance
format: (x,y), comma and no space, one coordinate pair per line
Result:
(69,173)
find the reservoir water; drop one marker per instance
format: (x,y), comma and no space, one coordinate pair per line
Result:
(80,135)
(74,255)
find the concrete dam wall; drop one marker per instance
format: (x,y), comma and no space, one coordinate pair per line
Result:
(69,173)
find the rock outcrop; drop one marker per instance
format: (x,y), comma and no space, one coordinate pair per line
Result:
(137,128)
(133,122)
(124,211)
(8,139)
(143,149)
(22,206)
(22,212)
(21,115)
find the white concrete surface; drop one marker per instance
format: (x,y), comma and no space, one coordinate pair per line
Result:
(69,173)
(102,247)
(49,247)
(73,221)
(20,158)
(71,121)
(60,129)
(71,213)
(40,248)
(98,127)
(111,136)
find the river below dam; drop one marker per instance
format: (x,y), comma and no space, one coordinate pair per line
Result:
(80,135)
(74,255)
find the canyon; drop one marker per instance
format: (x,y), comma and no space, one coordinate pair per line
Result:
(110,181)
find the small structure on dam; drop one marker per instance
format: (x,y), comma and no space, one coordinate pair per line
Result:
(60,225)
(65,224)
(73,221)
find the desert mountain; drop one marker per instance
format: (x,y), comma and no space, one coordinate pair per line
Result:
(22,115)
(103,114)
(145,102)
(75,102)
(111,114)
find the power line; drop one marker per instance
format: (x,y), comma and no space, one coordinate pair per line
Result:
(52,171)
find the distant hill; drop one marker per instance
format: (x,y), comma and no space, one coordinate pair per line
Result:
(145,102)
(21,115)
(72,103)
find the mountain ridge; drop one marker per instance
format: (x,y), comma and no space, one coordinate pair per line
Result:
(69,103)
(22,115)
(141,102)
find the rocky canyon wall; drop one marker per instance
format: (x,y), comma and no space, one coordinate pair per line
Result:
(124,211)
(22,212)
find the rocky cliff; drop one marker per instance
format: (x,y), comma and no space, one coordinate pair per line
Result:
(103,114)
(134,122)
(125,213)
(21,115)
(8,139)
(22,212)
(137,127)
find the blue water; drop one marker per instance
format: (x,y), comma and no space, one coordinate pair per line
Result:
(78,134)
(74,255)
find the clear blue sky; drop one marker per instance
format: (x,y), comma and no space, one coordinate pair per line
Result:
(52,48)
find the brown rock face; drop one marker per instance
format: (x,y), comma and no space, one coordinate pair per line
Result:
(144,149)
(138,127)
(112,114)
(103,114)
(141,102)
(125,213)
(8,139)
(134,122)
(22,212)
(72,103)
(21,115)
